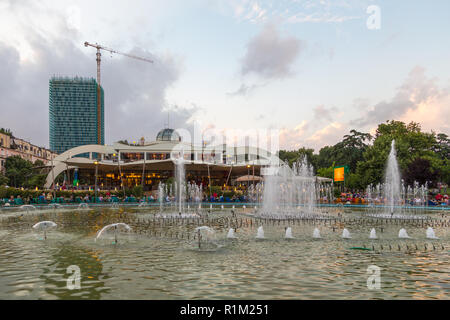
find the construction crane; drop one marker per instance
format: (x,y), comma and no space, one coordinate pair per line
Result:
(99,47)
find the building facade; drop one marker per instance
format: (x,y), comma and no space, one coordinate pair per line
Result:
(127,165)
(12,146)
(73,113)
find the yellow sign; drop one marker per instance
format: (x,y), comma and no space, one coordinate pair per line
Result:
(339,174)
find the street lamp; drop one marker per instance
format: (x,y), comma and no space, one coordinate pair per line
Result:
(120,173)
(96,171)
(248,175)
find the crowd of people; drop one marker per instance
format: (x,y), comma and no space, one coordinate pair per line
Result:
(47,198)
(345,198)
(363,198)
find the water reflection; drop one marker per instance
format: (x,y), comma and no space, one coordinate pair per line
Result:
(156,263)
(54,275)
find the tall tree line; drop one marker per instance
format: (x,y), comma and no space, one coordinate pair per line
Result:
(422,156)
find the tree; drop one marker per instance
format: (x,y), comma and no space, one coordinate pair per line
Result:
(3,180)
(17,170)
(37,180)
(325,157)
(410,143)
(442,151)
(420,170)
(354,182)
(347,152)
(6,131)
(137,191)
(326,172)
(38,163)
(421,156)
(292,156)
(442,146)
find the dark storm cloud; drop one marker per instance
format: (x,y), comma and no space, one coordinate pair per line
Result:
(270,55)
(416,89)
(135,91)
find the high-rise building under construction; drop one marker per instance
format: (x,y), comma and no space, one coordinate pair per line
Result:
(73,114)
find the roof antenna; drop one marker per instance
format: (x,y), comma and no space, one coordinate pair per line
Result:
(166,125)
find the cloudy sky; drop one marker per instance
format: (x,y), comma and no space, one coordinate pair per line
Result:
(313,69)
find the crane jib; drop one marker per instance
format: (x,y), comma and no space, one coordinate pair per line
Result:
(98,54)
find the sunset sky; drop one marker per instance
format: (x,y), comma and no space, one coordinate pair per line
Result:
(312,69)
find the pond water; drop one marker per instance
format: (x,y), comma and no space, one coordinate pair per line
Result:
(160,259)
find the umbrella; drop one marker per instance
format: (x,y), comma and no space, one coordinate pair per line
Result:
(249,178)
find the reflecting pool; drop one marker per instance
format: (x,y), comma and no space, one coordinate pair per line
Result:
(163,257)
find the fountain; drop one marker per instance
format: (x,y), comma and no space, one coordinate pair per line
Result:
(205,237)
(231,234)
(392,181)
(83,205)
(431,234)
(182,191)
(316,233)
(288,234)
(27,207)
(260,233)
(393,198)
(373,234)
(161,196)
(346,234)
(115,228)
(403,234)
(292,192)
(44,226)
(180,184)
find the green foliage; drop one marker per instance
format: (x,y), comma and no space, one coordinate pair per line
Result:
(6,131)
(3,180)
(326,172)
(354,182)
(17,170)
(421,156)
(410,143)
(170,180)
(442,146)
(444,167)
(137,191)
(8,192)
(66,194)
(38,163)
(347,152)
(420,170)
(23,173)
(441,162)
(37,180)
(229,194)
(292,156)
(214,189)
